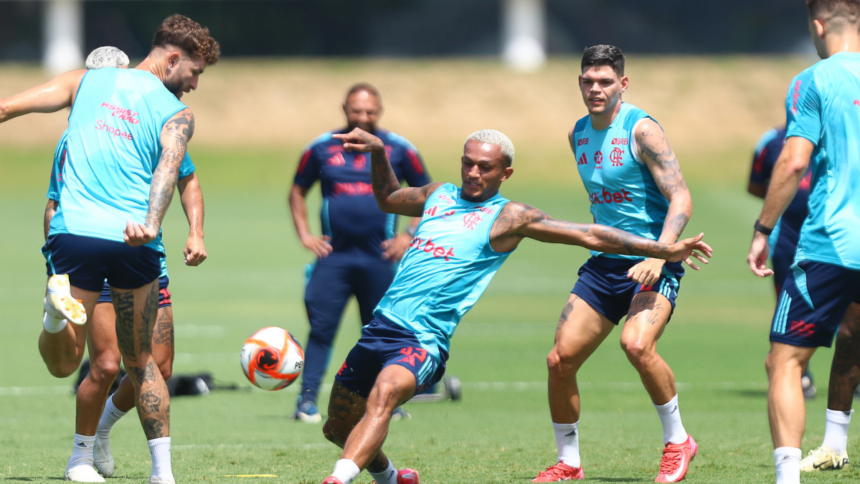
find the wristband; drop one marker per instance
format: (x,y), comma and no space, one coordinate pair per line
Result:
(759,227)
(410,231)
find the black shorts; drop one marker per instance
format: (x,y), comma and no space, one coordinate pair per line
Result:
(89,261)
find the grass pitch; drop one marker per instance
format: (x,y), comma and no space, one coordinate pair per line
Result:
(499,433)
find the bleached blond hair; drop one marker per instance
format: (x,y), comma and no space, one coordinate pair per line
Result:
(107,56)
(493,137)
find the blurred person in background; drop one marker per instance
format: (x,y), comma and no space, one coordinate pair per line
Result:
(358,250)
(635,184)
(821,294)
(128,134)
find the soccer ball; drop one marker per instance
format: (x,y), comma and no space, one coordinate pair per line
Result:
(272,359)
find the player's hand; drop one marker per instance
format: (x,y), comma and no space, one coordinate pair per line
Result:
(136,234)
(757,258)
(195,251)
(360,140)
(686,249)
(646,272)
(318,245)
(394,248)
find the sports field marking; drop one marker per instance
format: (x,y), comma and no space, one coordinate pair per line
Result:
(251,475)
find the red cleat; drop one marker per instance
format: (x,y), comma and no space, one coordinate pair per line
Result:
(406,476)
(560,472)
(676,460)
(331,480)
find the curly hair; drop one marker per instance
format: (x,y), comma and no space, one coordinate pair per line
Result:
(186,34)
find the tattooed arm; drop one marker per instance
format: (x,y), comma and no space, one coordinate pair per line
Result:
(518,221)
(50,97)
(391,197)
(191,197)
(174,142)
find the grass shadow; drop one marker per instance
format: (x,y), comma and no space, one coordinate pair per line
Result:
(750,393)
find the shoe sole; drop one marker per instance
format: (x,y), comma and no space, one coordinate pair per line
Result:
(70,309)
(303,417)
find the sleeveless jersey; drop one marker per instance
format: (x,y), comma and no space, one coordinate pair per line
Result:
(112,150)
(621,189)
(446,269)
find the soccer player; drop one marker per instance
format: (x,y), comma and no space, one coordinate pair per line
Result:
(464,236)
(128,134)
(823,123)
(634,183)
(357,252)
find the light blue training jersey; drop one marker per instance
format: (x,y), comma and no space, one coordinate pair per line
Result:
(447,267)
(54,187)
(621,190)
(823,106)
(112,149)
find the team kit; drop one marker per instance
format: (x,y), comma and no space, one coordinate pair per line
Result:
(125,152)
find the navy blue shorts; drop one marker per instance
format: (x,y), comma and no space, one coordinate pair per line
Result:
(814,299)
(163,293)
(603,284)
(89,261)
(383,343)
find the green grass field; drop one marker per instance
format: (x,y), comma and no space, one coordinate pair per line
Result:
(499,433)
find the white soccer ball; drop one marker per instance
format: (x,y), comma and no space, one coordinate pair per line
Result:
(272,359)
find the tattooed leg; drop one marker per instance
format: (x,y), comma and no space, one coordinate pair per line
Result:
(580,331)
(136,312)
(162,352)
(845,370)
(345,410)
(62,352)
(646,320)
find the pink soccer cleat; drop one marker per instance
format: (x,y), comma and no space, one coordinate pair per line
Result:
(676,460)
(331,480)
(560,472)
(406,476)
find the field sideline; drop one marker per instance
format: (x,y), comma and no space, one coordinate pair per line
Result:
(500,432)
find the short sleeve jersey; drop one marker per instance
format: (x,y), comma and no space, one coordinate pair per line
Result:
(112,149)
(766,154)
(350,214)
(823,106)
(621,190)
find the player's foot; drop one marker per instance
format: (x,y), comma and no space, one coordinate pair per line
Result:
(406,476)
(307,412)
(676,460)
(822,459)
(400,414)
(807,382)
(331,480)
(83,473)
(162,480)
(560,472)
(59,302)
(103,460)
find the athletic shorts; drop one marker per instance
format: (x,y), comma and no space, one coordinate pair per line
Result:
(163,293)
(89,261)
(814,299)
(604,285)
(383,343)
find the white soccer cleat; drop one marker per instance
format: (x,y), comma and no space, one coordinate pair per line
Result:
(103,459)
(83,473)
(161,480)
(59,302)
(822,459)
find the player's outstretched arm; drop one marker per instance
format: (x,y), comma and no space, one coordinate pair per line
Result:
(391,197)
(191,196)
(518,221)
(175,134)
(789,170)
(56,94)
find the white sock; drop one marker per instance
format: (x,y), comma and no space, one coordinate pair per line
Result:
(82,451)
(787,460)
(388,476)
(670,416)
(110,416)
(160,451)
(346,470)
(836,430)
(567,441)
(52,324)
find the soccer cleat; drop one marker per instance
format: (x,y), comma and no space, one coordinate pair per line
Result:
(59,302)
(560,472)
(103,460)
(331,480)
(161,480)
(676,460)
(307,412)
(400,414)
(807,383)
(823,459)
(406,476)
(83,473)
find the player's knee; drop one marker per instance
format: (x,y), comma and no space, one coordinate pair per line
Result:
(104,370)
(334,434)
(848,334)
(166,368)
(384,397)
(560,364)
(637,352)
(61,370)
